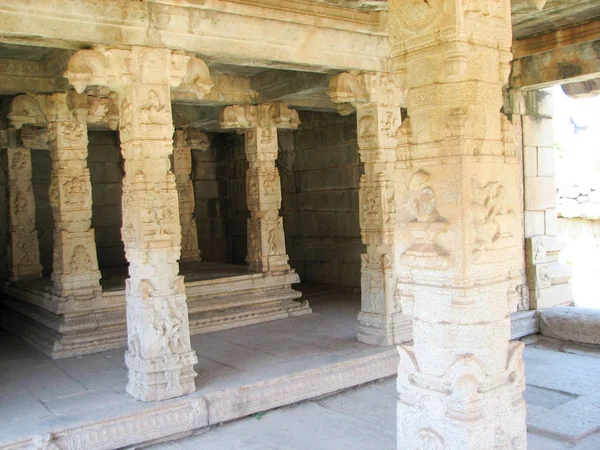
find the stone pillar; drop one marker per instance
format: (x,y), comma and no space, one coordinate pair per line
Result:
(24,255)
(182,168)
(547,279)
(266,240)
(376,98)
(159,354)
(75,274)
(460,385)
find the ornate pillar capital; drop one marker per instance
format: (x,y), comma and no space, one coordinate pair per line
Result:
(265,115)
(118,68)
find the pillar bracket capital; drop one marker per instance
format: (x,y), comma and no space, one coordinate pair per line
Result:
(350,90)
(242,117)
(117,68)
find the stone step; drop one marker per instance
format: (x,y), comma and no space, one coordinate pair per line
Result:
(571,323)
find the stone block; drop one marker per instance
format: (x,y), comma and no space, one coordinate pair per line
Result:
(551,222)
(536,251)
(338,200)
(571,324)
(307,223)
(540,193)
(559,273)
(112,173)
(97,173)
(106,215)
(535,223)
(538,131)
(337,224)
(546,162)
(530,161)
(210,188)
(326,179)
(291,223)
(558,294)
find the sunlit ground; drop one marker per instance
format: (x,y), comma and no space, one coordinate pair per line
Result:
(577,143)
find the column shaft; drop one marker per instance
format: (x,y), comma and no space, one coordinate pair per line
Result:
(182,168)
(460,385)
(24,248)
(75,264)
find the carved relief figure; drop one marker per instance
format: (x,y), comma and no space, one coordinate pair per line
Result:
(371,209)
(20,203)
(490,216)
(367,127)
(153,112)
(28,254)
(426,226)
(19,162)
(72,130)
(80,261)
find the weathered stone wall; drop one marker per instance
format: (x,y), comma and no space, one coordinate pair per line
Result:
(44,222)
(320,173)
(209,174)
(106,173)
(239,213)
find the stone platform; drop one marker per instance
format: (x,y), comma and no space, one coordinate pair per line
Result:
(219,296)
(80,402)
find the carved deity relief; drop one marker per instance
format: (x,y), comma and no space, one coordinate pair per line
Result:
(425,227)
(20,203)
(80,261)
(371,208)
(19,162)
(73,131)
(491,217)
(153,112)
(29,254)
(125,116)
(459,123)
(77,190)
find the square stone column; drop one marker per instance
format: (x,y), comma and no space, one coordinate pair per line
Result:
(75,274)
(24,255)
(266,239)
(377,98)
(460,384)
(182,168)
(159,354)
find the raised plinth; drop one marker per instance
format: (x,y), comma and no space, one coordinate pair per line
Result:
(219,296)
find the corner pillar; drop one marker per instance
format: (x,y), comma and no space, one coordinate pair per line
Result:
(460,384)
(377,97)
(266,239)
(24,255)
(159,354)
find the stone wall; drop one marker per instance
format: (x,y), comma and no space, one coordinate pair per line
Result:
(44,222)
(211,191)
(106,173)
(236,185)
(320,173)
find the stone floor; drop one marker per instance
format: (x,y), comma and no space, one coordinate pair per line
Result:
(361,418)
(245,371)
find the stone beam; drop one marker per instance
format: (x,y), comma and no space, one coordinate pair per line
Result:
(574,63)
(555,40)
(297,35)
(273,85)
(190,116)
(18,75)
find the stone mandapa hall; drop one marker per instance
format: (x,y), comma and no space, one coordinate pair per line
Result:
(172,168)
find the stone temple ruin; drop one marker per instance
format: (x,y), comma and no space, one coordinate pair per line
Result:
(172,168)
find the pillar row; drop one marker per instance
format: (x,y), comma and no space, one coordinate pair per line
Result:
(24,255)
(159,356)
(460,384)
(266,239)
(376,97)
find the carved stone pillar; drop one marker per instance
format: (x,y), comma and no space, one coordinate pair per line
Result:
(182,168)
(75,274)
(460,385)
(24,254)
(376,98)
(266,239)
(159,354)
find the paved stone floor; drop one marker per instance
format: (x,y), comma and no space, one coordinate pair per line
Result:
(362,418)
(38,395)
